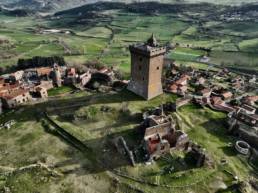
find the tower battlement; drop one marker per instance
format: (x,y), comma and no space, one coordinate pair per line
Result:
(147,50)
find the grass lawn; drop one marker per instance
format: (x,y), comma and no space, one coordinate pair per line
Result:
(185,54)
(235,59)
(59,90)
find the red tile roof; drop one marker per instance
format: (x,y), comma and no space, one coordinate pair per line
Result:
(173,87)
(43,71)
(227,95)
(14,93)
(6,87)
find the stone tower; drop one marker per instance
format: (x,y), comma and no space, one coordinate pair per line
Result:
(146,68)
(57,81)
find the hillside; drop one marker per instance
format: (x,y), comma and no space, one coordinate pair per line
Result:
(58,5)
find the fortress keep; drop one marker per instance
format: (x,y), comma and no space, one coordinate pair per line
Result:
(146,68)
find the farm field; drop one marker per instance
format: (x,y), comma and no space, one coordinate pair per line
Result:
(106,38)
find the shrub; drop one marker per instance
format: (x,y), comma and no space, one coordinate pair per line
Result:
(89,113)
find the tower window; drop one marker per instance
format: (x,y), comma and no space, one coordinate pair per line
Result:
(158,68)
(143,78)
(140,58)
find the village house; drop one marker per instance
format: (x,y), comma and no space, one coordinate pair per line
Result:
(237,85)
(14,98)
(15,94)
(216,100)
(83,79)
(6,87)
(174,72)
(18,75)
(252,79)
(248,109)
(226,95)
(40,92)
(46,84)
(70,76)
(179,86)
(244,125)
(173,88)
(202,101)
(200,81)
(178,89)
(205,92)
(245,117)
(44,72)
(223,73)
(173,69)
(31,76)
(250,100)
(183,80)
(104,70)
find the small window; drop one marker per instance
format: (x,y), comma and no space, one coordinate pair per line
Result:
(158,68)
(143,78)
(140,59)
(140,67)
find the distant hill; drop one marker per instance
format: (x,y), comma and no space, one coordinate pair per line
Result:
(59,5)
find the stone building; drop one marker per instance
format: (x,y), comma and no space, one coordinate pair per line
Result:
(245,125)
(41,92)
(250,100)
(205,92)
(70,76)
(46,84)
(57,80)
(146,69)
(18,75)
(197,155)
(84,78)
(160,136)
(15,98)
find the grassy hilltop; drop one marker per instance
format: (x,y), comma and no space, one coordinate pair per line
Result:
(79,169)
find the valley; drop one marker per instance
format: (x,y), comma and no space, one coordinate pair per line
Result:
(65,141)
(104,31)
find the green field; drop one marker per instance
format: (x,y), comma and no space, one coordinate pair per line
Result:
(106,39)
(59,90)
